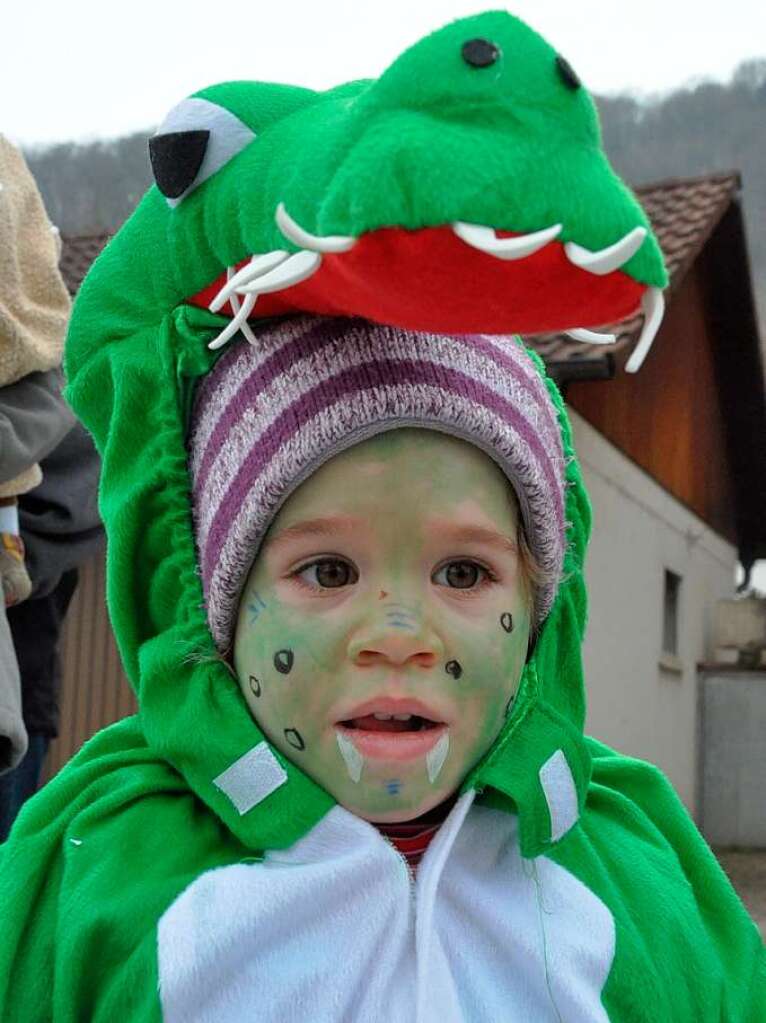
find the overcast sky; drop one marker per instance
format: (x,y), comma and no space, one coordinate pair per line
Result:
(94,69)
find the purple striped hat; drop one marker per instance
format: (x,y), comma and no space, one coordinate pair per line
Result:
(269,415)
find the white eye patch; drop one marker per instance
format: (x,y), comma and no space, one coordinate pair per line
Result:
(227,136)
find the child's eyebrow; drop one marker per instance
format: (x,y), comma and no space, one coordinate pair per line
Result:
(328,526)
(478,534)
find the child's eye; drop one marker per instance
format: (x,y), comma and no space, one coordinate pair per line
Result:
(463,575)
(328,573)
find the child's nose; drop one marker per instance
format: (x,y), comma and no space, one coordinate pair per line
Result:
(396,636)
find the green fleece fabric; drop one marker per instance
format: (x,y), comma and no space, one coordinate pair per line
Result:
(104,849)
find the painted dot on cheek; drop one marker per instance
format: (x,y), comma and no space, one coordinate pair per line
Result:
(255,686)
(283,661)
(506,620)
(295,738)
(453,668)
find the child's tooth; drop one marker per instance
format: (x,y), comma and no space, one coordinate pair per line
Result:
(385,717)
(402,717)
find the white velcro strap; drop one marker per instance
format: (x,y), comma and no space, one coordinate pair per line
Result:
(251,778)
(560,794)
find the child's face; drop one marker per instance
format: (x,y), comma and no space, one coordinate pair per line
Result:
(365,591)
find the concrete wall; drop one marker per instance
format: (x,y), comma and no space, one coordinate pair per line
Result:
(732,808)
(636,704)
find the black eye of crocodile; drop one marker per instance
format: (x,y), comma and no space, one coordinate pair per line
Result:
(480,52)
(568,74)
(176,158)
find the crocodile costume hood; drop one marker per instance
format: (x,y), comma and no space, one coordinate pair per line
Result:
(567,881)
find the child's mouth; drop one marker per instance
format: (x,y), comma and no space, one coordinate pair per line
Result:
(392,728)
(389,723)
(392,739)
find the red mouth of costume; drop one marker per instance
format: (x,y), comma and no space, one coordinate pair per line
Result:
(431,280)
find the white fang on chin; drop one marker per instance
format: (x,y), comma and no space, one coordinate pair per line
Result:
(591,337)
(257,266)
(653,306)
(485,239)
(292,229)
(604,261)
(352,757)
(296,268)
(435,758)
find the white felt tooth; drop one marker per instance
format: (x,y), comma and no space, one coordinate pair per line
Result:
(653,305)
(591,337)
(485,239)
(257,266)
(295,269)
(246,308)
(604,261)
(238,322)
(435,758)
(328,243)
(222,293)
(353,758)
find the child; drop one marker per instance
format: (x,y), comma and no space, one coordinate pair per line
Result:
(34,309)
(335,520)
(386,523)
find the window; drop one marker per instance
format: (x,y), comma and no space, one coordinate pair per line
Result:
(670,613)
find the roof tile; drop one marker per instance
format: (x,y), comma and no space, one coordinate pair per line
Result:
(77,254)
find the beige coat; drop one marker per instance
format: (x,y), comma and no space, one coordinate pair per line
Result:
(34,302)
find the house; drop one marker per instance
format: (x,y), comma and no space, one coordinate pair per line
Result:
(675,463)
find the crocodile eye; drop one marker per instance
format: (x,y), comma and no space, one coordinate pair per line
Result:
(176,158)
(480,52)
(567,73)
(194,141)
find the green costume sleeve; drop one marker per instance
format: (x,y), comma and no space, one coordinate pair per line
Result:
(730,945)
(93,861)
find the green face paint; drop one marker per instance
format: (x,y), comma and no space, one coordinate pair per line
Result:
(393,599)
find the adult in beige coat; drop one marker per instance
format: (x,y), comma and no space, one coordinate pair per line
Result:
(34,310)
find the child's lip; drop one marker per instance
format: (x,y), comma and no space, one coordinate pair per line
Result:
(391,705)
(393,745)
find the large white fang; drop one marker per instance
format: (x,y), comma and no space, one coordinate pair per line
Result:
(241,314)
(295,269)
(590,337)
(653,305)
(293,230)
(485,239)
(257,266)
(605,260)
(238,322)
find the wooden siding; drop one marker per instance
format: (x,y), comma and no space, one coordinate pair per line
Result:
(667,417)
(94,690)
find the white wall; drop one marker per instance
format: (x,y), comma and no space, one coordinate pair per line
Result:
(634,704)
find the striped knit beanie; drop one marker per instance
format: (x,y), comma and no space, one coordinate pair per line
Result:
(270,414)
